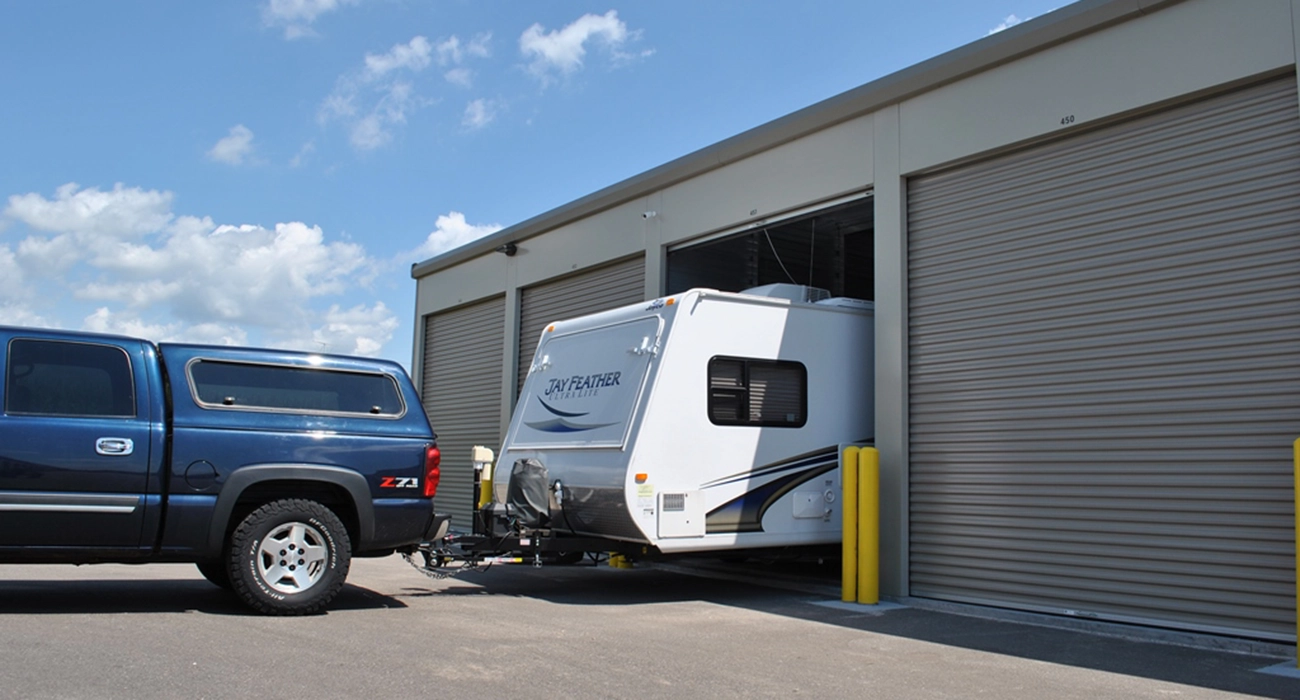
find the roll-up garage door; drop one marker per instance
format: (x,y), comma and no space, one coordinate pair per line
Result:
(1104,371)
(464,352)
(604,288)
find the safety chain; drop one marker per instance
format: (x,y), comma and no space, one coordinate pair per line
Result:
(441,572)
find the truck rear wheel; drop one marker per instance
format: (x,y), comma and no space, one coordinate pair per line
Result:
(289,557)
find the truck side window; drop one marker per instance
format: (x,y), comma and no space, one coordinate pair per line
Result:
(301,389)
(746,391)
(56,378)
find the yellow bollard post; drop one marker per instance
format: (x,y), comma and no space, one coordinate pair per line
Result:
(1296,493)
(869,526)
(849,529)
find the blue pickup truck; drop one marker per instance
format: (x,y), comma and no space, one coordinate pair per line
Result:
(268,469)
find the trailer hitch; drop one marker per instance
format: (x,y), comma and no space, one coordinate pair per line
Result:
(441,563)
(457,554)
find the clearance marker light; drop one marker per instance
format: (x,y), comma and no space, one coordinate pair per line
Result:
(670,301)
(640,478)
(550,329)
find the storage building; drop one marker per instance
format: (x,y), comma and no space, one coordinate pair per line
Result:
(1082,238)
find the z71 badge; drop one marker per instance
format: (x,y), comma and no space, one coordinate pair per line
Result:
(399,482)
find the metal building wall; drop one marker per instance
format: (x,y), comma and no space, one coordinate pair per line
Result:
(1104,365)
(603,288)
(463,353)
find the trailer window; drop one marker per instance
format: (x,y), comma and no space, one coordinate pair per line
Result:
(770,393)
(298,389)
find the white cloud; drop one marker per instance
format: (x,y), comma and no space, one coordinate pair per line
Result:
(225,274)
(478,114)
(562,51)
(123,212)
(214,334)
(301,156)
(355,331)
(375,129)
(369,133)
(452,232)
(463,77)
(15,294)
(49,256)
(376,98)
(148,272)
(452,54)
(12,286)
(413,56)
(341,103)
(1008,23)
(15,314)
(452,51)
(102,320)
(105,321)
(297,16)
(90,225)
(233,149)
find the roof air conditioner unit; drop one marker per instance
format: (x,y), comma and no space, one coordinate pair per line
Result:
(793,292)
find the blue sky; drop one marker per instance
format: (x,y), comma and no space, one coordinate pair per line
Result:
(264,172)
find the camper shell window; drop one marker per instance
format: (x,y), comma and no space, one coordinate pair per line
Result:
(766,393)
(297,389)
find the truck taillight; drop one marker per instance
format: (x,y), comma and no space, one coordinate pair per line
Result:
(432,470)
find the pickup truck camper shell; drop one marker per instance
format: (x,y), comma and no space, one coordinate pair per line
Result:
(269,469)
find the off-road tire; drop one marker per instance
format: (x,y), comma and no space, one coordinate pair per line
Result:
(217,572)
(289,557)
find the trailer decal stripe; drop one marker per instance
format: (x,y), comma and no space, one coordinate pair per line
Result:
(560,425)
(558,412)
(745,513)
(798,462)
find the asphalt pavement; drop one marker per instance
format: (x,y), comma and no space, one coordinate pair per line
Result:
(680,631)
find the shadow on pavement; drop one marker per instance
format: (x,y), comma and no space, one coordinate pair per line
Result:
(815,599)
(89,596)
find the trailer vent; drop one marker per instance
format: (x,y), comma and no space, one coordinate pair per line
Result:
(681,514)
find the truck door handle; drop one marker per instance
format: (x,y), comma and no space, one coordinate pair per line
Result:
(114,446)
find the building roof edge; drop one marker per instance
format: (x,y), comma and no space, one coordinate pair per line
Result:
(1038,34)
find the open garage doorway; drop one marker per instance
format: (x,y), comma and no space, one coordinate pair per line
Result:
(830,248)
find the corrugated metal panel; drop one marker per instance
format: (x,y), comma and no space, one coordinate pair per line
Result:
(604,288)
(464,352)
(1104,338)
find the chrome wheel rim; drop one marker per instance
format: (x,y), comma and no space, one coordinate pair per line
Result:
(292,557)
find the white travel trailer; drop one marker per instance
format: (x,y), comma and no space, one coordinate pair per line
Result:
(703,421)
